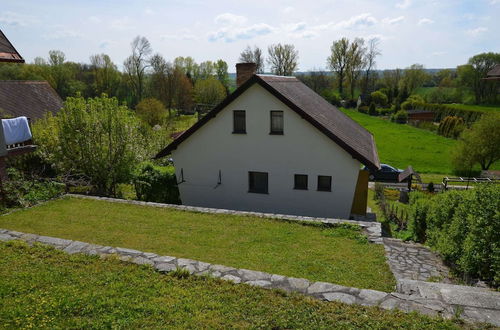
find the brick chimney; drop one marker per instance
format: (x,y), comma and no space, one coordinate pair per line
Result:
(244,71)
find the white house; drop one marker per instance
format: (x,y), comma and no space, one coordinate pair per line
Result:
(274,146)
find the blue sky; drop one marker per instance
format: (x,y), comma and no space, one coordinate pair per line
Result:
(436,33)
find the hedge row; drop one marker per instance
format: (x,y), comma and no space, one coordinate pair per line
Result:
(444,110)
(156,184)
(463,226)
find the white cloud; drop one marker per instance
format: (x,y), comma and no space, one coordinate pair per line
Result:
(425,21)
(359,21)
(494,2)
(392,21)
(62,33)
(403,4)
(438,53)
(179,36)
(476,32)
(121,24)
(231,34)
(148,11)
(288,10)
(230,19)
(15,19)
(301,26)
(94,19)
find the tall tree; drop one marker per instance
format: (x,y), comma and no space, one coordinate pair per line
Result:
(160,80)
(355,63)
(106,76)
(221,73)
(414,77)
(254,55)
(338,60)
(283,59)
(471,76)
(370,60)
(136,65)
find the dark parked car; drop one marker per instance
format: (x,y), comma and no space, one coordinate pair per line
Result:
(386,173)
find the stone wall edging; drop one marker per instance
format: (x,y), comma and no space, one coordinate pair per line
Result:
(429,305)
(372,229)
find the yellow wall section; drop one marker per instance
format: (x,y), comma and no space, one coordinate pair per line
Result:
(360,200)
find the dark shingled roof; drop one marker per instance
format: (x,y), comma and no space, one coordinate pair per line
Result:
(495,72)
(7,51)
(28,98)
(344,131)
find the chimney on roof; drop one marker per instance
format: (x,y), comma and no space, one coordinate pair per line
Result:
(244,71)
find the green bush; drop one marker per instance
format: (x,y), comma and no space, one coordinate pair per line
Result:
(400,117)
(156,183)
(451,126)
(331,96)
(363,109)
(379,98)
(19,191)
(372,111)
(463,226)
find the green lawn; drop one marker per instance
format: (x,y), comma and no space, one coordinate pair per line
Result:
(337,255)
(43,288)
(402,145)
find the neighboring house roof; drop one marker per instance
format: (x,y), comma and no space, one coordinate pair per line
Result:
(332,122)
(495,72)
(28,98)
(7,51)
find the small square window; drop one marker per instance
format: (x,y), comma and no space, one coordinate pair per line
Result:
(324,183)
(239,122)
(300,182)
(276,122)
(258,182)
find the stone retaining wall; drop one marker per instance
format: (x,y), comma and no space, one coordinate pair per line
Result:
(430,304)
(372,229)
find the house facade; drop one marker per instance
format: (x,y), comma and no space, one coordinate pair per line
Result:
(263,150)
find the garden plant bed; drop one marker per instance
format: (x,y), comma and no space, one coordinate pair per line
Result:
(43,287)
(338,255)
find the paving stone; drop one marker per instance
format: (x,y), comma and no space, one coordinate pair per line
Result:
(277,278)
(184,262)
(129,252)
(165,267)
(5,237)
(202,266)
(163,259)
(231,278)
(390,303)
(75,247)
(322,287)
(261,283)
(149,255)
(221,269)
(298,284)
(53,241)
(339,296)
(371,297)
(252,275)
(142,261)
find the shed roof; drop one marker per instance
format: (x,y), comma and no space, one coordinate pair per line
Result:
(495,72)
(332,122)
(28,98)
(7,51)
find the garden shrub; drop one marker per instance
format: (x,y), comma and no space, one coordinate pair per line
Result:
(19,191)
(463,226)
(400,117)
(155,183)
(363,109)
(451,127)
(372,111)
(379,98)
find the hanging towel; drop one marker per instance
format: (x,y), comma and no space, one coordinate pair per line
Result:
(16,130)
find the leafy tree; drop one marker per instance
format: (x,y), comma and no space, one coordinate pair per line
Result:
(221,73)
(136,65)
(339,59)
(370,61)
(372,110)
(283,59)
(96,139)
(106,77)
(254,55)
(471,76)
(318,81)
(209,91)
(479,144)
(355,62)
(414,77)
(379,98)
(151,111)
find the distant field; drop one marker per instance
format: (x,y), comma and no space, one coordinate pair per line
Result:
(485,108)
(403,145)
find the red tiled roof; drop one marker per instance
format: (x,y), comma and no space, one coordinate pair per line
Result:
(7,51)
(332,122)
(28,98)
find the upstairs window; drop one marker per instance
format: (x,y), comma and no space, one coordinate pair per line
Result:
(257,182)
(276,122)
(300,182)
(324,183)
(239,122)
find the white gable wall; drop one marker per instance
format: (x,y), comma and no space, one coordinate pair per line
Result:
(302,149)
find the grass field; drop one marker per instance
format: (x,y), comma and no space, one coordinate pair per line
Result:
(43,288)
(337,255)
(403,145)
